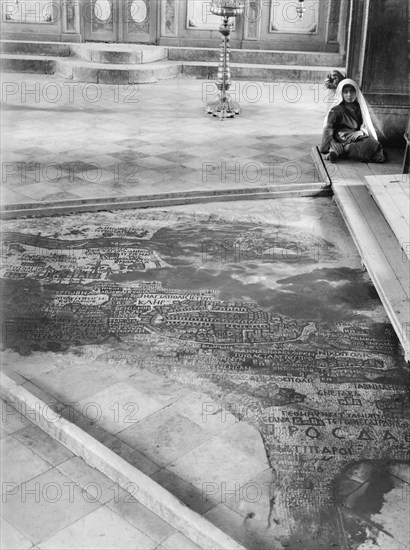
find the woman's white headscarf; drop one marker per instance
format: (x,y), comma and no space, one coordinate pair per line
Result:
(338,98)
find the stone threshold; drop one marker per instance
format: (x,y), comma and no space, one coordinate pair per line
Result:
(150,494)
(71,206)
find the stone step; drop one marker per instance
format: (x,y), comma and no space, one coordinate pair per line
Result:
(28,64)
(20,47)
(96,204)
(139,63)
(83,71)
(95,52)
(258,57)
(254,72)
(141,53)
(120,53)
(105,73)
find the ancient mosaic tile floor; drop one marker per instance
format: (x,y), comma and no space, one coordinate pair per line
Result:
(66,140)
(245,346)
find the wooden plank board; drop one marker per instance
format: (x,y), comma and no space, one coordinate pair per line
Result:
(393,191)
(394,204)
(400,199)
(320,166)
(377,245)
(385,238)
(383,234)
(406,187)
(384,280)
(369,247)
(356,174)
(354,171)
(393,166)
(397,310)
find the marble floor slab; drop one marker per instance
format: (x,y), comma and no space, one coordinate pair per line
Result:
(164,436)
(54,500)
(162,142)
(19,463)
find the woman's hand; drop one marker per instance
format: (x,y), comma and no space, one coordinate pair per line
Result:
(357,135)
(364,130)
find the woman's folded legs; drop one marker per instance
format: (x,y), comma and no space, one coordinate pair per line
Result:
(365,150)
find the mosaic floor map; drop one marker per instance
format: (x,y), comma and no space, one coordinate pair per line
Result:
(267,308)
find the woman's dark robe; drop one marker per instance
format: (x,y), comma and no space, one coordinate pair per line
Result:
(343,120)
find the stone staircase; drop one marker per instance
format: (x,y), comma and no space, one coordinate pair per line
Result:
(264,65)
(137,63)
(90,62)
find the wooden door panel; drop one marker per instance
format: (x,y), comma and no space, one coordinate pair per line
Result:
(120,21)
(101,21)
(140,21)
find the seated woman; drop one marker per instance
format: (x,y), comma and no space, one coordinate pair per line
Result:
(348,129)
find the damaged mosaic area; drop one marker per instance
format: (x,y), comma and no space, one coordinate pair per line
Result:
(266,308)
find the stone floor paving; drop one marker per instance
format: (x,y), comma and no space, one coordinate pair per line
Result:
(53,500)
(65,140)
(287,432)
(257,442)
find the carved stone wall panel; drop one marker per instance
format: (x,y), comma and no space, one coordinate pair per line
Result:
(71,16)
(343,34)
(169,18)
(284,18)
(252,19)
(30,12)
(333,18)
(199,16)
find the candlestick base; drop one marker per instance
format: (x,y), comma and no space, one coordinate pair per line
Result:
(223,107)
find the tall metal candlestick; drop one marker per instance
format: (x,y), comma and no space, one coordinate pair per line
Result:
(224,106)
